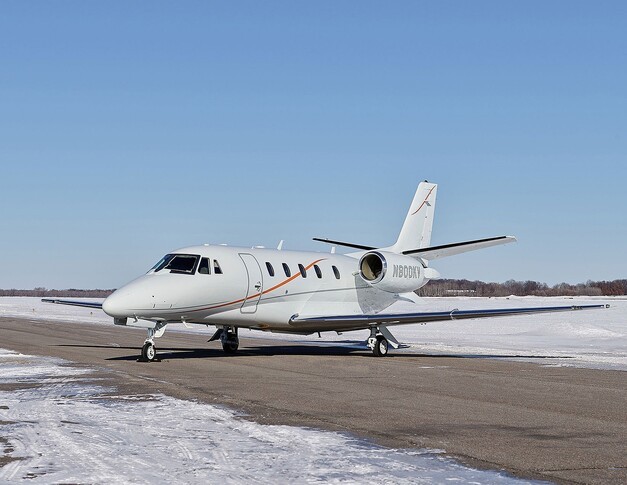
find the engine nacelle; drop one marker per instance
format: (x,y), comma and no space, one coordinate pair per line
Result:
(392,272)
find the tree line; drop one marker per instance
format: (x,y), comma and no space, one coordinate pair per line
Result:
(45,293)
(444,287)
(453,287)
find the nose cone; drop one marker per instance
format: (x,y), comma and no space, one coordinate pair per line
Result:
(132,300)
(116,305)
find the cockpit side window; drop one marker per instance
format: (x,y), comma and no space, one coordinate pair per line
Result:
(204,267)
(182,263)
(216,267)
(162,263)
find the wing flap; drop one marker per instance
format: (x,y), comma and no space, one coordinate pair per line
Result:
(87,304)
(353,322)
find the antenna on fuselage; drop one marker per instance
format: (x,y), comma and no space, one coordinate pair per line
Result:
(280,246)
(332,249)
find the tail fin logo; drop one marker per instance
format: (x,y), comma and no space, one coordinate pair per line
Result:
(424,202)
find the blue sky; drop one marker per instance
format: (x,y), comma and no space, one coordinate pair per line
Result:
(128,129)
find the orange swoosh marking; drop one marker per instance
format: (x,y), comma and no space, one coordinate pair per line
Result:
(279,285)
(424,201)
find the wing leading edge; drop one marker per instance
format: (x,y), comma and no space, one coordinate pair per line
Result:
(354,322)
(88,304)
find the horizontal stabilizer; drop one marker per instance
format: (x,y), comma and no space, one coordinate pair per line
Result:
(435,252)
(353,322)
(88,304)
(348,245)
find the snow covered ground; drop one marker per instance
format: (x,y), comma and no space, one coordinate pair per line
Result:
(61,426)
(595,338)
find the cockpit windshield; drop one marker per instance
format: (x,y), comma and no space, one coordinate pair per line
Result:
(177,263)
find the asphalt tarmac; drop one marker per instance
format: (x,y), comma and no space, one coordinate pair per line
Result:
(555,423)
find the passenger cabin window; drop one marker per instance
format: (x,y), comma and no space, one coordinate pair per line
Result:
(302,270)
(216,267)
(204,267)
(178,263)
(286,268)
(336,272)
(270,268)
(318,271)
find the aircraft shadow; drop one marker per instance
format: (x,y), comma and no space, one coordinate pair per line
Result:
(175,353)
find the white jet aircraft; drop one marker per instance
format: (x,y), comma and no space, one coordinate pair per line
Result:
(297,292)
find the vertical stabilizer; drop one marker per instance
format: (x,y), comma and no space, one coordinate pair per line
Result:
(416,230)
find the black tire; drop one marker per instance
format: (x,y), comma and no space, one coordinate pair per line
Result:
(149,352)
(381,347)
(230,345)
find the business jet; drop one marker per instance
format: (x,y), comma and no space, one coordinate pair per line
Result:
(299,292)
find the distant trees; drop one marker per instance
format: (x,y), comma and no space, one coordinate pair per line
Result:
(45,293)
(453,287)
(445,287)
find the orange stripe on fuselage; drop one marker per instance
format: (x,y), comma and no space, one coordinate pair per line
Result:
(283,283)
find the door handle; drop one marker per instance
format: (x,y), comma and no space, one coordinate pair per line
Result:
(258,286)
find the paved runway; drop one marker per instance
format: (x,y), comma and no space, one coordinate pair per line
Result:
(556,423)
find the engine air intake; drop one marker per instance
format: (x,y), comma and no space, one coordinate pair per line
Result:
(372,267)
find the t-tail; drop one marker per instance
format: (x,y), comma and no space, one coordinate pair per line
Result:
(418,225)
(415,237)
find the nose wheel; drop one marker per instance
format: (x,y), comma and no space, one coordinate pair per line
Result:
(149,352)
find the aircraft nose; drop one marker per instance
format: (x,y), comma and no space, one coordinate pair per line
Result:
(115,306)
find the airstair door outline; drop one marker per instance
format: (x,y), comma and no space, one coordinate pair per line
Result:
(255,283)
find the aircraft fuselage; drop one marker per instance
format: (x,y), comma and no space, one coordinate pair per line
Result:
(250,287)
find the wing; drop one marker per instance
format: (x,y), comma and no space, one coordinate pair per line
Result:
(354,322)
(88,304)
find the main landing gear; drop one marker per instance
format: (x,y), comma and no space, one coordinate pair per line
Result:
(380,340)
(149,352)
(228,337)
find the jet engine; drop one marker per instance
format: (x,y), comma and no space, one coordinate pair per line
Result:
(392,272)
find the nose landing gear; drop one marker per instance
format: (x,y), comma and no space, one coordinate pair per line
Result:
(149,352)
